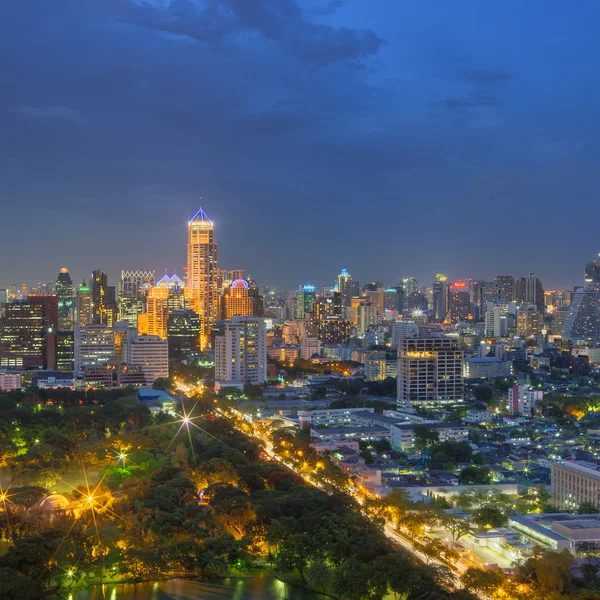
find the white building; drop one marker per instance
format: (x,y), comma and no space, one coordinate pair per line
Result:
(523,398)
(310,346)
(496,319)
(367,316)
(150,352)
(241,352)
(401,330)
(403,435)
(486,368)
(478,416)
(10,381)
(94,346)
(430,371)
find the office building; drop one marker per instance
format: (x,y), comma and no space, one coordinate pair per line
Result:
(241,352)
(459,302)
(575,482)
(534,292)
(592,273)
(113,376)
(64,294)
(581,324)
(236,300)
(64,344)
(506,287)
(430,371)
(486,367)
(167,295)
(440,297)
(99,291)
(132,288)
(367,316)
(94,345)
(529,321)
(345,287)
(203,273)
(496,319)
(183,333)
(150,352)
(305,298)
(83,305)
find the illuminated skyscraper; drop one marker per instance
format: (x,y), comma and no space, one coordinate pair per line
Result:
(83,305)
(183,333)
(99,289)
(168,295)
(203,272)
(344,286)
(506,287)
(132,288)
(305,298)
(236,300)
(459,302)
(64,293)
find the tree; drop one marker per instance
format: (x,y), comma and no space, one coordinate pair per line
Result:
(587,508)
(470,475)
(295,552)
(483,393)
(486,582)
(490,516)
(424,436)
(553,570)
(457,526)
(318,573)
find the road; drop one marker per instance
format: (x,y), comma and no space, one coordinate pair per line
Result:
(389,529)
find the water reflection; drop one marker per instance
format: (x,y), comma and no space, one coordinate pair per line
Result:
(260,587)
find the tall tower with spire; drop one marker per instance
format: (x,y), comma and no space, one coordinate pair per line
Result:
(203,273)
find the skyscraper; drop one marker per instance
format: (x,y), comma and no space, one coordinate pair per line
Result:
(64,293)
(582,324)
(344,286)
(459,302)
(305,298)
(99,289)
(241,352)
(534,292)
(506,287)
(183,333)
(132,288)
(203,272)
(83,305)
(440,297)
(236,300)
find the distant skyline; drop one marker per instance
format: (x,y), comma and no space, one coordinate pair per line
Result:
(389,138)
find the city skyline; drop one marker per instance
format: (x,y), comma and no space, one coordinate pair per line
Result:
(440,139)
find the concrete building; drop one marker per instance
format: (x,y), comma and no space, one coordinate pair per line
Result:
(582,323)
(574,482)
(94,345)
(310,346)
(523,398)
(496,319)
(10,381)
(203,273)
(430,371)
(241,352)
(151,353)
(486,367)
(403,434)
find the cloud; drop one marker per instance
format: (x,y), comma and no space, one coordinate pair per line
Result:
(329,8)
(59,113)
(221,23)
(483,90)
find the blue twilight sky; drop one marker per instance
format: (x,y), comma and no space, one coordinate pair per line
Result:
(390,137)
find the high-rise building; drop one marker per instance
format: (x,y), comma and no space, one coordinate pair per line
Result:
(183,333)
(236,300)
(523,398)
(203,273)
(94,346)
(506,287)
(99,289)
(575,482)
(520,296)
(367,316)
(167,295)
(582,323)
(430,371)
(344,286)
(65,350)
(132,288)
(305,297)
(592,273)
(23,332)
(241,352)
(258,301)
(529,321)
(534,292)
(64,293)
(440,297)
(459,302)
(496,319)
(149,352)
(335,330)
(310,346)
(83,305)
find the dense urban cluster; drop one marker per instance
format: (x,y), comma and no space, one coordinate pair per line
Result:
(417,441)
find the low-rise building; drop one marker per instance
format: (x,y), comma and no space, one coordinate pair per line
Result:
(488,367)
(403,435)
(10,381)
(574,482)
(478,416)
